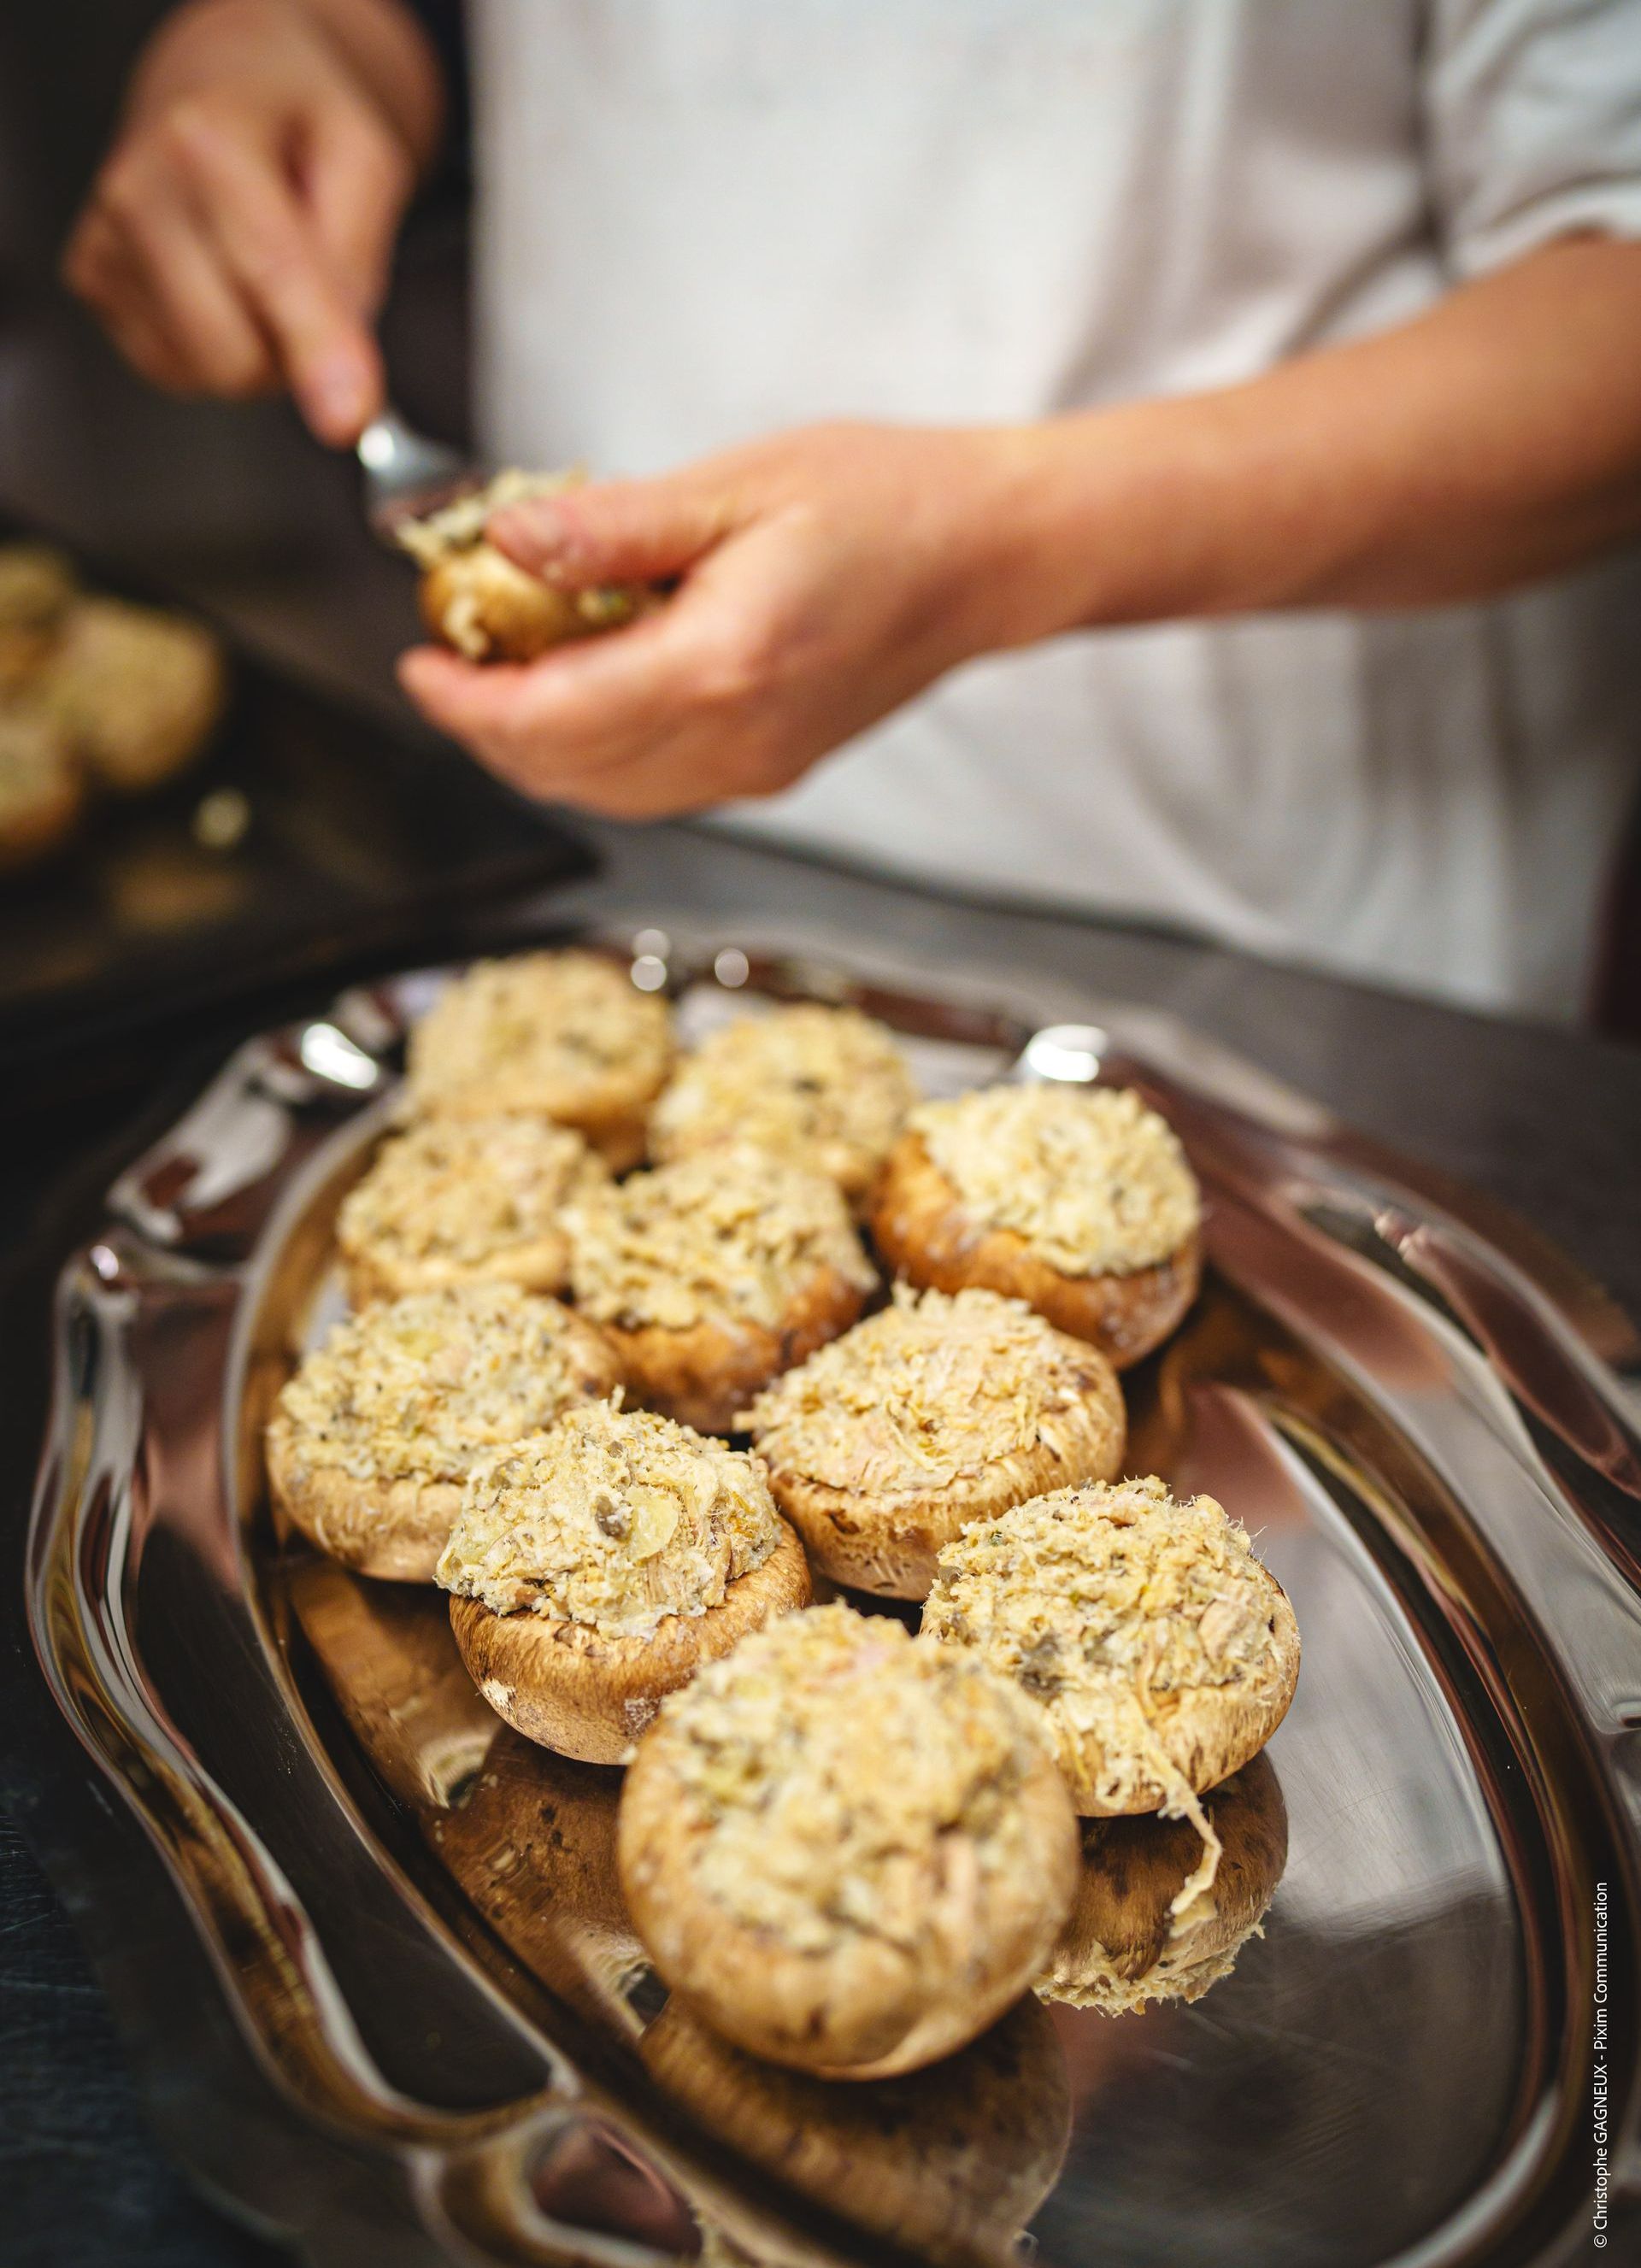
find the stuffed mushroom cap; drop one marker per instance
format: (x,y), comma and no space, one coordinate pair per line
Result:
(848,1851)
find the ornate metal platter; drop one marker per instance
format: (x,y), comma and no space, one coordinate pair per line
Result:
(413,1913)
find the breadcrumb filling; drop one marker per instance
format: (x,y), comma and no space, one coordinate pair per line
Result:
(459,525)
(727,1237)
(536,1032)
(615,1518)
(928,1393)
(839,1780)
(417,1389)
(827,1085)
(1097,1601)
(1091,1177)
(460,1192)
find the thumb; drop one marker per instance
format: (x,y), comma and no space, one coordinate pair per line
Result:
(617,530)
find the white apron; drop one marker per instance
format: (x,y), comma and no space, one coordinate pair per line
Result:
(702,220)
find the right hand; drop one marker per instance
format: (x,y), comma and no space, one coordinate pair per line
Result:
(239,235)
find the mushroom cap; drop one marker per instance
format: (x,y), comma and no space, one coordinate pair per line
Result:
(706,1374)
(916,1851)
(370,1443)
(932,1413)
(484,605)
(1158,1647)
(392,1529)
(43,788)
(825,1086)
(583,1694)
(565,1034)
(464,1201)
(138,691)
(921,1226)
(712,1274)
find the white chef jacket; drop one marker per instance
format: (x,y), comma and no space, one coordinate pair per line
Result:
(703,220)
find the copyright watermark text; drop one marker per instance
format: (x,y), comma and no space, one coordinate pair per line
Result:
(1598,2085)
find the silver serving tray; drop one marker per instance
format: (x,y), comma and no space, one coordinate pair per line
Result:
(1415,1406)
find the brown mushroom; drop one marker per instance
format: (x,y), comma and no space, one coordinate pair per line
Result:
(826,1086)
(372,1442)
(951,2162)
(935,1412)
(563,1035)
(1129,1941)
(465,1201)
(479,602)
(711,1275)
(594,1568)
(1077,1200)
(1161,1653)
(848,1851)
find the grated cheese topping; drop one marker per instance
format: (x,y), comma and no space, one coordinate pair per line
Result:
(825,1086)
(615,1518)
(417,1389)
(541,1032)
(458,1193)
(459,525)
(731,1236)
(1091,1177)
(1097,1600)
(927,1393)
(836,1777)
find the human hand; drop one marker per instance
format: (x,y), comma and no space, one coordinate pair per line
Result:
(825,576)
(238,235)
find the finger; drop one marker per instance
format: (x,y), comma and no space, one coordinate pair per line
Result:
(98,266)
(181,282)
(328,358)
(586,702)
(684,762)
(356,181)
(618,531)
(683,772)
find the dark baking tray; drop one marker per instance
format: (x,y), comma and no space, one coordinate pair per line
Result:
(410,1913)
(363,841)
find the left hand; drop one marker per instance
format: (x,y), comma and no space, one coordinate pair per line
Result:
(825,577)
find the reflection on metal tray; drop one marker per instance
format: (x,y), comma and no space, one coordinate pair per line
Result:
(414,1912)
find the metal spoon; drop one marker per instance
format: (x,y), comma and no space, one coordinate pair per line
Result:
(407,474)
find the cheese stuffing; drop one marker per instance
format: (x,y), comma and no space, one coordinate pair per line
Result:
(928,1393)
(729,1237)
(825,1085)
(831,1770)
(1094,1181)
(417,1389)
(614,1519)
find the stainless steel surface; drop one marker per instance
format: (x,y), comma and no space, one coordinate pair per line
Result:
(413,1912)
(406,473)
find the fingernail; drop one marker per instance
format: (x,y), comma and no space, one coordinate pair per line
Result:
(536,533)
